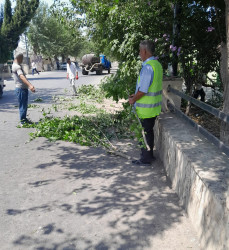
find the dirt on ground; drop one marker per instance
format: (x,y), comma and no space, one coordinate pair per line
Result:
(206,120)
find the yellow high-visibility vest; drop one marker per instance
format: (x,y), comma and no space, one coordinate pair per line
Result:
(149,105)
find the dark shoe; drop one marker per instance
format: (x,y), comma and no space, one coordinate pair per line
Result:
(26,121)
(141,163)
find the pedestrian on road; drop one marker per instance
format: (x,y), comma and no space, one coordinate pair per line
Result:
(57,64)
(72,74)
(147,99)
(34,68)
(22,85)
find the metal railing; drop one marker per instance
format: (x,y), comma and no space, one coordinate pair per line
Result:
(217,113)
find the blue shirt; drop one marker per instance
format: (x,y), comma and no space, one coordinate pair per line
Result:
(146,77)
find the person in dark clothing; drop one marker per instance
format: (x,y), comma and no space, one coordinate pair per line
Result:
(201,93)
(198,90)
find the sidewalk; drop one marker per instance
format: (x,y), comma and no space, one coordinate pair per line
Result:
(64,196)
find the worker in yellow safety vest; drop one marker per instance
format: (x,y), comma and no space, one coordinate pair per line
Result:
(147,99)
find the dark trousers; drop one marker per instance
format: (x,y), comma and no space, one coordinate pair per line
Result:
(148,124)
(34,70)
(22,96)
(201,93)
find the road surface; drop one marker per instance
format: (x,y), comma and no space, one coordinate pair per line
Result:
(62,196)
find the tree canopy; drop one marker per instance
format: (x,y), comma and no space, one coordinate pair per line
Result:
(52,34)
(13,24)
(186,32)
(189,35)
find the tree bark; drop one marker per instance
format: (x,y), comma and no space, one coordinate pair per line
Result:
(224,130)
(189,92)
(63,58)
(176,35)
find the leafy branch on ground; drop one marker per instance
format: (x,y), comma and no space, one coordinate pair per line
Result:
(38,99)
(95,127)
(85,130)
(61,99)
(30,106)
(85,108)
(90,92)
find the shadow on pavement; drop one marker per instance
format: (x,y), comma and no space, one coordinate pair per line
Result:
(116,205)
(44,78)
(9,100)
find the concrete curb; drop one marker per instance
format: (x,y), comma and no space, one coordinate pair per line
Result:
(199,173)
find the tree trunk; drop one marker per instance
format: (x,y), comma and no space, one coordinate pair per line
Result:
(224,130)
(189,104)
(176,35)
(63,58)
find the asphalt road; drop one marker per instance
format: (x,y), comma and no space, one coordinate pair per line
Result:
(62,196)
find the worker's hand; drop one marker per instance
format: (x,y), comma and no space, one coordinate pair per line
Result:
(131,99)
(32,88)
(77,77)
(67,76)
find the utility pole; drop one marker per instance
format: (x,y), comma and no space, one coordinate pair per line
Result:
(26,47)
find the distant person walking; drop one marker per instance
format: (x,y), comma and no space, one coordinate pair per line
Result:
(72,74)
(34,68)
(57,64)
(22,85)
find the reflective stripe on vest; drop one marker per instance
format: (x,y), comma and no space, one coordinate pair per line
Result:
(154,93)
(150,104)
(141,105)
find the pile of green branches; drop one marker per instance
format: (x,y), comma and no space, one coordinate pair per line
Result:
(94,131)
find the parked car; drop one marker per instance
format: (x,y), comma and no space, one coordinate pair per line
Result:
(63,66)
(2,85)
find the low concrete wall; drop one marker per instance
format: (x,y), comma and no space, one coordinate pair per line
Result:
(199,173)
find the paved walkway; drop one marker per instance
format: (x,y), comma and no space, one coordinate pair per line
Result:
(64,196)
